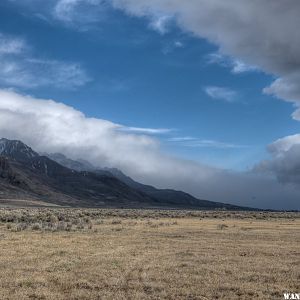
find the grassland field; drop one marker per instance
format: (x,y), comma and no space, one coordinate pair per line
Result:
(50,253)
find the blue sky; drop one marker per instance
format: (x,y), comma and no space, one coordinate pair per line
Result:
(180,94)
(141,77)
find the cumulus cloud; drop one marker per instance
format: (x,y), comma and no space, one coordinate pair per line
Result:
(49,126)
(285,162)
(20,68)
(287,88)
(221,93)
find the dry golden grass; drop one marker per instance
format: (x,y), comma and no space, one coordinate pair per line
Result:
(148,255)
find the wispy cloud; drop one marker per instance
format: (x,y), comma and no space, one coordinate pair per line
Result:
(20,68)
(150,131)
(182,139)
(11,45)
(170,47)
(64,10)
(188,141)
(160,23)
(80,14)
(178,44)
(60,74)
(221,93)
(236,66)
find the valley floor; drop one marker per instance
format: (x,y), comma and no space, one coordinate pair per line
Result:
(136,254)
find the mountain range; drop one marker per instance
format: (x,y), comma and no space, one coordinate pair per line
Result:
(56,179)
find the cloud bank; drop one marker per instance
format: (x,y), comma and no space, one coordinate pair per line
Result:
(49,126)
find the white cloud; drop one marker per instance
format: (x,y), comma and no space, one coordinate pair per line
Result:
(287,88)
(221,93)
(19,68)
(240,67)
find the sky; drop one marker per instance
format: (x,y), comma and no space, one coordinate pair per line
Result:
(198,95)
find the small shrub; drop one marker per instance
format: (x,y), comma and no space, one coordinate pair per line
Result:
(53,219)
(19,227)
(80,226)
(36,226)
(69,227)
(116,222)
(61,226)
(87,220)
(117,229)
(222,226)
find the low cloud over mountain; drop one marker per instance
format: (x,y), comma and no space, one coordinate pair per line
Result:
(49,126)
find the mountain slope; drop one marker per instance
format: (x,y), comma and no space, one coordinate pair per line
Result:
(173,197)
(163,197)
(23,173)
(16,150)
(77,165)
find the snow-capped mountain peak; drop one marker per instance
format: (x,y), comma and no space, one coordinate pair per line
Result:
(16,150)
